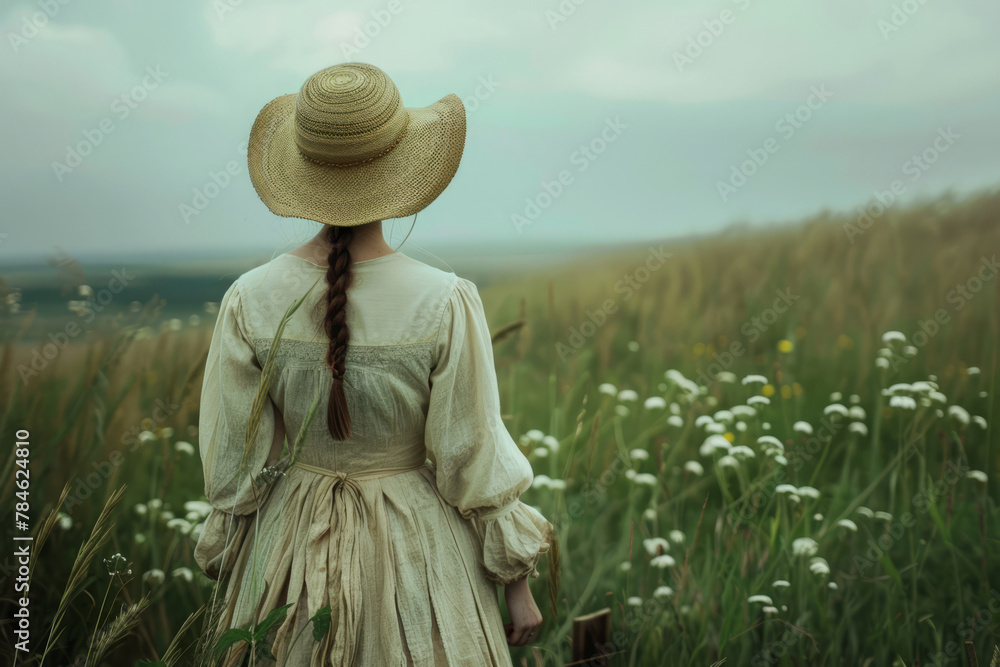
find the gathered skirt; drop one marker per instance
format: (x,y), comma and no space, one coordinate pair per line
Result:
(397,564)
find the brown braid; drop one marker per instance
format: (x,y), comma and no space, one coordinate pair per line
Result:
(338,278)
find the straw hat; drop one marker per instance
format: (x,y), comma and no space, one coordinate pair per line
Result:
(345,151)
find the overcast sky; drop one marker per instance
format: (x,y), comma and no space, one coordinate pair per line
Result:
(160,95)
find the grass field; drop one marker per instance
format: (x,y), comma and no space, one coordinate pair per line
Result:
(768,448)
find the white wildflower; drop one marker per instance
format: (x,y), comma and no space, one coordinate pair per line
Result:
(890,336)
(607,388)
(856,412)
(694,467)
(857,427)
(865,512)
(819,565)
(959,413)
(882,362)
(802,427)
(785,488)
(646,479)
(621,411)
(742,451)
(760,379)
(781,583)
(674,420)
(551,442)
(768,609)
(977,475)
(759,598)
(884,516)
(540,452)
(808,492)
(654,403)
(153,577)
(848,524)
(713,443)
(903,403)
(979,421)
(627,395)
(728,461)
(634,601)
(836,408)
(663,592)
(754,400)
(804,546)
(676,536)
(184,573)
(655,544)
(535,435)
(663,560)
(639,454)
(723,416)
(182,525)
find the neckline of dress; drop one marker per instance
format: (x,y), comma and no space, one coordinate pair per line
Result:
(363,262)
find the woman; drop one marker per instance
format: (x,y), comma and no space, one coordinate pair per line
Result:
(400,508)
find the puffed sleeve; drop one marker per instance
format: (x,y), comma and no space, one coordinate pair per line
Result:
(232,378)
(478,466)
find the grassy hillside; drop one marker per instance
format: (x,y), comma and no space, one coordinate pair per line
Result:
(725,423)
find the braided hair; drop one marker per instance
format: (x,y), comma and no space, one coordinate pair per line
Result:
(338,279)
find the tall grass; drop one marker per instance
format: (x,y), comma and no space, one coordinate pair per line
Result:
(122,406)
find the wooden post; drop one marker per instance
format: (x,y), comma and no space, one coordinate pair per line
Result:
(590,636)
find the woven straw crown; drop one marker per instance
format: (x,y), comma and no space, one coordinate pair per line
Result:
(345,150)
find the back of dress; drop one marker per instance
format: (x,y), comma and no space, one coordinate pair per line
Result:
(424,494)
(394,308)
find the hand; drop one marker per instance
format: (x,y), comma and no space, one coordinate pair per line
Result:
(524,614)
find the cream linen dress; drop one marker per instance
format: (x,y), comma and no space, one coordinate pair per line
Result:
(406,528)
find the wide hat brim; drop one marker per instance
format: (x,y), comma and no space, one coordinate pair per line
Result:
(395,185)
